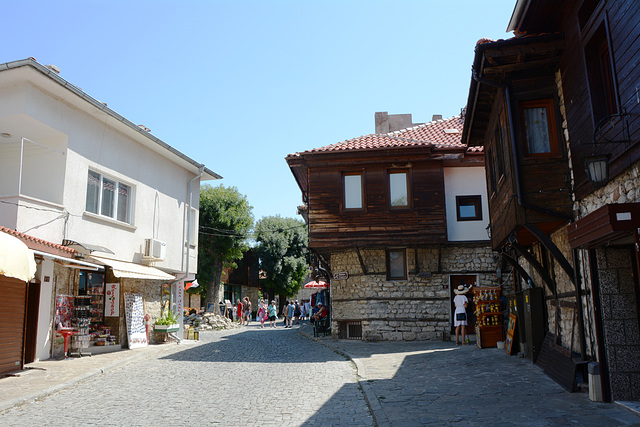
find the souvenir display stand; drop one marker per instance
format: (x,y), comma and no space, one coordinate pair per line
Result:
(488,316)
(81,321)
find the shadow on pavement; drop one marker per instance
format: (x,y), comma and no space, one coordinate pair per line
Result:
(237,348)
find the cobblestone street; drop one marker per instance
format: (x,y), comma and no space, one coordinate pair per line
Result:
(246,376)
(271,377)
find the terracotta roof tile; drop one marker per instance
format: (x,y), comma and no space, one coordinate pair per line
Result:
(439,135)
(40,244)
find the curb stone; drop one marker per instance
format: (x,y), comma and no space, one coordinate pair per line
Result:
(379,416)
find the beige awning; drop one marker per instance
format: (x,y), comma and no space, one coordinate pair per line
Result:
(133,271)
(16,259)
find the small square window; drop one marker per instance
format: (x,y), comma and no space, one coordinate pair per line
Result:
(469,208)
(396,264)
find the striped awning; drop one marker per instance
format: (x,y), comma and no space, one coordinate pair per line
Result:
(133,271)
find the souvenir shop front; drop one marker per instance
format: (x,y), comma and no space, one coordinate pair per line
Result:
(80,316)
(112,308)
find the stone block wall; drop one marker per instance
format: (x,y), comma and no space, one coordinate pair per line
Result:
(418,308)
(619,305)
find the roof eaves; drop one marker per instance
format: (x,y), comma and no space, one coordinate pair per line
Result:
(31,62)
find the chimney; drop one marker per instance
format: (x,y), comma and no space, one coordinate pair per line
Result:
(386,123)
(382,122)
(436,117)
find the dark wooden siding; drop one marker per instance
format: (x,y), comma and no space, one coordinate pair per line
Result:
(376,225)
(623,24)
(540,190)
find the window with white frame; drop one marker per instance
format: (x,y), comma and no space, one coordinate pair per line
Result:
(398,189)
(352,191)
(108,197)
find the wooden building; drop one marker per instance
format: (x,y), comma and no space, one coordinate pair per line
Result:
(396,218)
(552,107)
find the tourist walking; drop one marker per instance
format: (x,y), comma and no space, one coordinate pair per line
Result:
(262,312)
(247,311)
(296,312)
(273,314)
(291,308)
(239,312)
(285,308)
(460,317)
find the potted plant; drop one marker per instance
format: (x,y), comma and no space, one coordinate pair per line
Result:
(167,323)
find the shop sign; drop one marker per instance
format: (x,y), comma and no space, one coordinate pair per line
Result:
(112,300)
(343,275)
(134,311)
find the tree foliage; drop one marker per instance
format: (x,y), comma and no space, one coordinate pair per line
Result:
(226,221)
(282,251)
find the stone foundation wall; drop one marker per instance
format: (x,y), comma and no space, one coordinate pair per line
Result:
(418,308)
(618,298)
(619,307)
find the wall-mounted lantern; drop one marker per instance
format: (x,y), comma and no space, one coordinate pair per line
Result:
(597,168)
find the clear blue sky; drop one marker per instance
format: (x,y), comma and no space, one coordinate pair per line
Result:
(238,85)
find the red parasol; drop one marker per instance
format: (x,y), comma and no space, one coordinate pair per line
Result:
(318,285)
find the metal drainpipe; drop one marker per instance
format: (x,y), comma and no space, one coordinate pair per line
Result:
(188,220)
(516,171)
(516,167)
(578,283)
(512,135)
(200,173)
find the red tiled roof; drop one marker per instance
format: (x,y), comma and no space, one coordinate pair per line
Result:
(39,244)
(439,134)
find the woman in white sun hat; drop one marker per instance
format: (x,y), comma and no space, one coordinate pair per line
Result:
(460,316)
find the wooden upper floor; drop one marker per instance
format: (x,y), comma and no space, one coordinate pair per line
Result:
(564,89)
(389,189)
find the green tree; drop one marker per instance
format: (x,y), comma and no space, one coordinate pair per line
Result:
(225,224)
(282,252)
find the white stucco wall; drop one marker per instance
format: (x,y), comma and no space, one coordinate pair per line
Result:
(43,334)
(56,184)
(465,181)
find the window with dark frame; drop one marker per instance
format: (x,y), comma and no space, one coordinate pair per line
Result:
(469,208)
(492,172)
(600,75)
(499,144)
(396,264)
(539,131)
(352,191)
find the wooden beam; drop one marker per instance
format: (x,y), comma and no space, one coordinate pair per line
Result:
(537,266)
(553,249)
(364,269)
(521,271)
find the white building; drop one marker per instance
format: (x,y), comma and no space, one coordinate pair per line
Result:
(76,173)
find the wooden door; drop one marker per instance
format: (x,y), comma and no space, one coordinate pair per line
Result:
(31,330)
(12,324)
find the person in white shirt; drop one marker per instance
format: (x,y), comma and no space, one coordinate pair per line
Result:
(460,316)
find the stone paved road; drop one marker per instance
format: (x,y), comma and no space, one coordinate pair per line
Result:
(441,384)
(240,377)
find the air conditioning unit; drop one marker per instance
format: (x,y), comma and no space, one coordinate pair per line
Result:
(155,248)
